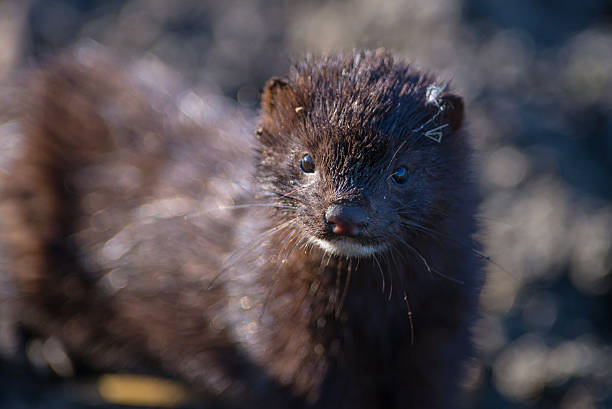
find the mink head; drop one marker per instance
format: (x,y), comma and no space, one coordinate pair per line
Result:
(359,151)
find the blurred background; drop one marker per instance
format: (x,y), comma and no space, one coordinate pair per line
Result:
(537,80)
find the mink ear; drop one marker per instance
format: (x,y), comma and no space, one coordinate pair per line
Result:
(279,107)
(275,91)
(451,107)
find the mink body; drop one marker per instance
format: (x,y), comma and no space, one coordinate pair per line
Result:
(328,263)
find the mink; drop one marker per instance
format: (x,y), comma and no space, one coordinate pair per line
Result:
(325,260)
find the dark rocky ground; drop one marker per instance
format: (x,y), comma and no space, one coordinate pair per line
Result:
(537,77)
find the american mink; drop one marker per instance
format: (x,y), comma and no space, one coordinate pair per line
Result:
(325,263)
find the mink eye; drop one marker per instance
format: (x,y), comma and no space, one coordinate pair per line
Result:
(307,164)
(400,175)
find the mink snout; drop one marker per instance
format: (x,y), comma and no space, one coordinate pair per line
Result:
(347,220)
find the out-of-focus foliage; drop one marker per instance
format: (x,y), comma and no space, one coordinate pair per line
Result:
(537,79)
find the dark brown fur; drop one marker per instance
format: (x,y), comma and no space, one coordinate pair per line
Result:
(241,301)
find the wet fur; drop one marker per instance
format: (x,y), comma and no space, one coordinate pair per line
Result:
(242,301)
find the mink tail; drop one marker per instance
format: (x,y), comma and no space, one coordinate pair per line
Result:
(61,129)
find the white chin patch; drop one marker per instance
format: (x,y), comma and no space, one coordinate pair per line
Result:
(347,248)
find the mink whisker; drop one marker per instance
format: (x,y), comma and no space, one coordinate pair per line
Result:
(249,205)
(347,282)
(286,195)
(382,275)
(439,235)
(427,265)
(392,254)
(240,206)
(247,250)
(395,154)
(337,287)
(409,317)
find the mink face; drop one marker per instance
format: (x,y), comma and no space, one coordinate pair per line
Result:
(359,152)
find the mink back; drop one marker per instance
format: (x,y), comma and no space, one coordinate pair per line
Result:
(113,211)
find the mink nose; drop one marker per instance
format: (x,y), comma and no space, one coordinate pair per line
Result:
(345,219)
